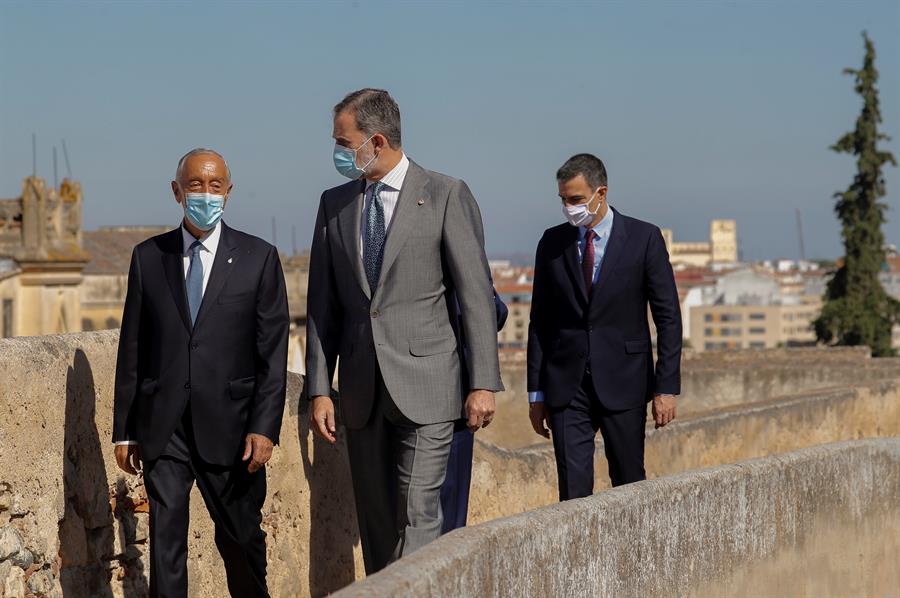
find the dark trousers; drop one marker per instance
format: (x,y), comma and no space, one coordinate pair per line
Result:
(574,429)
(234,498)
(398,468)
(455,491)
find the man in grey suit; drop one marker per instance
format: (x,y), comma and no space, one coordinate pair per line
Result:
(389,248)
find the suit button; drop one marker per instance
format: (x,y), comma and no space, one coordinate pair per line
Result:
(187,385)
(375,314)
(194,345)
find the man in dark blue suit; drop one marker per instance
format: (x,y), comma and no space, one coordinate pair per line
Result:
(590,360)
(455,490)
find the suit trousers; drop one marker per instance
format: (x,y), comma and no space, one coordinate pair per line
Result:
(574,429)
(398,468)
(234,498)
(455,491)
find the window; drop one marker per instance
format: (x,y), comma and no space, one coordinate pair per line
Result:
(87,324)
(731,317)
(757,316)
(757,331)
(707,331)
(7,318)
(757,345)
(708,318)
(730,331)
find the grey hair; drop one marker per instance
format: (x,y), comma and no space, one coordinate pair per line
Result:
(199,151)
(589,166)
(375,111)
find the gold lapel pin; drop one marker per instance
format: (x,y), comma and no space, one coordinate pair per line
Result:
(231,259)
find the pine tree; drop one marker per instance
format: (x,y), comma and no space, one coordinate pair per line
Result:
(857,310)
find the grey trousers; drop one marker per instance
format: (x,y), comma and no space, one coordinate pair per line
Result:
(398,468)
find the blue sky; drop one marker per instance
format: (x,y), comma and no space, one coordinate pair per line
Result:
(699,109)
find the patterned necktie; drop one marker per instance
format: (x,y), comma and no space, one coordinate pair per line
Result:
(195,280)
(587,262)
(375,232)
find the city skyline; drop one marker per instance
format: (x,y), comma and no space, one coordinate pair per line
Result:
(700,111)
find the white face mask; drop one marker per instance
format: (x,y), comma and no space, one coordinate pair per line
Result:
(580,215)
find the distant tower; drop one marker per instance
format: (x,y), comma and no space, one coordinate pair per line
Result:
(723,241)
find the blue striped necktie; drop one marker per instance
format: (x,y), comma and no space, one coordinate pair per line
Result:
(373,251)
(195,280)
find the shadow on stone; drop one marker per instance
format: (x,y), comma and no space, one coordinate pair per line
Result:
(88,552)
(331,560)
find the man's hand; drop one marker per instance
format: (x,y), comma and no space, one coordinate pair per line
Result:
(540,421)
(258,449)
(321,418)
(663,409)
(128,457)
(479,409)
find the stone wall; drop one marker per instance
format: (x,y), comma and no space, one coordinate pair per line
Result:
(71,523)
(824,521)
(714,380)
(505,481)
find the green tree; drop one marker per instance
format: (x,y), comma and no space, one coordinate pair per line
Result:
(857,310)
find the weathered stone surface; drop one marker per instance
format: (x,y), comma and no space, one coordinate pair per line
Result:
(10,542)
(40,584)
(87,521)
(13,584)
(821,521)
(715,380)
(506,481)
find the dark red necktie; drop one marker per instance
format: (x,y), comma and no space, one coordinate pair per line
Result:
(587,262)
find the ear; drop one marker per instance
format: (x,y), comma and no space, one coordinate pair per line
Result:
(379,141)
(602,194)
(228,194)
(176,191)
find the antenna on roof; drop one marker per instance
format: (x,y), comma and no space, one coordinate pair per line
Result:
(800,234)
(66,157)
(33,154)
(55,177)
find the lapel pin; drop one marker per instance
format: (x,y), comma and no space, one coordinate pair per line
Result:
(231,259)
(421,202)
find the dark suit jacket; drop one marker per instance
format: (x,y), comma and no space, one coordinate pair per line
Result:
(229,368)
(609,331)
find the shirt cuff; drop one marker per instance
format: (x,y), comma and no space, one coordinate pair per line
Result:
(125,443)
(536,396)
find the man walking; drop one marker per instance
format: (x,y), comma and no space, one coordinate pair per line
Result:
(200,379)
(389,249)
(590,363)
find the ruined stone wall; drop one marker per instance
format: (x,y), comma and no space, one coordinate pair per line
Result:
(71,523)
(824,521)
(714,380)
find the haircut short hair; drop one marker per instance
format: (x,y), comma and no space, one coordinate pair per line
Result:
(375,111)
(588,165)
(198,151)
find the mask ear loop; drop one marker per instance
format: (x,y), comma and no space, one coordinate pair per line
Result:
(356,151)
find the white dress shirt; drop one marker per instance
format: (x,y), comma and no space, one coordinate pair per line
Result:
(209,244)
(393,182)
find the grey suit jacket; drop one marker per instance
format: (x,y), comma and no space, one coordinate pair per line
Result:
(435,244)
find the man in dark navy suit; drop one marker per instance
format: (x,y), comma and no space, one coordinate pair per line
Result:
(200,379)
(455,490)
(590,360)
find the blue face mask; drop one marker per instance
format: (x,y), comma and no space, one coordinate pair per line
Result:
(345,160)
(203,210)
